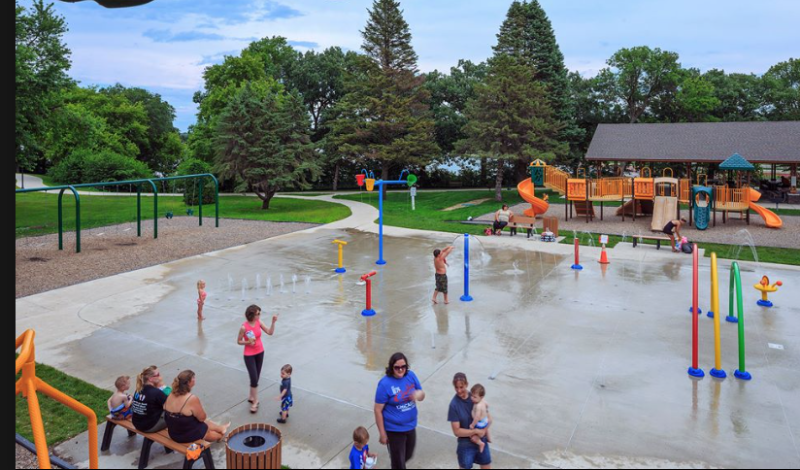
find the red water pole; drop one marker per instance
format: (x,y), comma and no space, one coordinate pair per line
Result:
(368,312)
(577,266)
(695,370)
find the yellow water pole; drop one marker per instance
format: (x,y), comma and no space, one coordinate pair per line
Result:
(717,370)
(341,244)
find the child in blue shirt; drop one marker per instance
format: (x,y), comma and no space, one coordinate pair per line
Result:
(360,456)
(286,393)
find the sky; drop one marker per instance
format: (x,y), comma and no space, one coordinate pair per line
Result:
(165,45)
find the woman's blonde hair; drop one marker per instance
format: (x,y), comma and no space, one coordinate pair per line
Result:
(180,386)
(200,282)
(144,377)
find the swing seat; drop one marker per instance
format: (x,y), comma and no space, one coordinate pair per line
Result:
(190,211)
(169,214)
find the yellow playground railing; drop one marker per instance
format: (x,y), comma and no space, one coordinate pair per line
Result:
(607,189)
(556,179)
(29,384)
(576,189)
(731,199)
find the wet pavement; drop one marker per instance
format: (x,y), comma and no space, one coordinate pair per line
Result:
(581,369)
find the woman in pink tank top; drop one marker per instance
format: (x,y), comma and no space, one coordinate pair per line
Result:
(250,338)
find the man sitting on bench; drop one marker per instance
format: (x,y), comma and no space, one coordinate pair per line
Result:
(501,219)
(676,226)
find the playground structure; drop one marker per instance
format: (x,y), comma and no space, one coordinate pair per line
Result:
(28,385)
(526,189)
(151,182)
(645,195)
(765,288)
(369,179)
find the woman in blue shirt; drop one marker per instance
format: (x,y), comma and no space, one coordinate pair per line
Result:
(396,410)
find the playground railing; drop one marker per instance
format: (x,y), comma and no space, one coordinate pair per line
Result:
(666,189)
(627,187)
(731,199)
(28,385)
(685,191)
(644,188)
(556,179)
(576,189)
(606,189)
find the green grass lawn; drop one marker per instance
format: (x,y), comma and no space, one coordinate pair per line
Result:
(37,213)
(789,256)
(60,422)
(429,214)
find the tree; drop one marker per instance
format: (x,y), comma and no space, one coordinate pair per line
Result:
(591,109)
(782,91)
(262,138)
(689,98)
(161,147)
(739,95)
(527,34)
(321,79)
(276,55)
(41,63)
(637,76)
(448,101)
(386,119)
(510,118)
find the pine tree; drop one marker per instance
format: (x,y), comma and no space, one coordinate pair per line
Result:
(510,118)
(386,118)
(263,138)
(528,34)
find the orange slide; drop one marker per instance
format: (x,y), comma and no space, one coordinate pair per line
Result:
(538,206)
(770,218)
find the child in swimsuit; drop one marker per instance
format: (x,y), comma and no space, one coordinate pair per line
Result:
(120,402)
(480,415)
(201,298)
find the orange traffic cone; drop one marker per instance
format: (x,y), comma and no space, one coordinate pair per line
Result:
(603,256)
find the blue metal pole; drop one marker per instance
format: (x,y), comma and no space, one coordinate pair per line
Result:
(466,297)
(380,261)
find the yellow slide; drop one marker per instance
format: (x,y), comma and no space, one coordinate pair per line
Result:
(538,206)
(770,218)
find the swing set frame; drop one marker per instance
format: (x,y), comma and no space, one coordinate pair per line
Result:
(138,183)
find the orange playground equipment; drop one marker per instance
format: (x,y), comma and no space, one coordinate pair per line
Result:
(645,195)
(739,197)
(526,189)
(28,385)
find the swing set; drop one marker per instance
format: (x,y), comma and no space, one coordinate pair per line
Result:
(138,183)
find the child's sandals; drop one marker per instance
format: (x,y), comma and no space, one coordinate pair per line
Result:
(254,407)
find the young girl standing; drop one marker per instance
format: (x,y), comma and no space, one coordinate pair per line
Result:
(201,298)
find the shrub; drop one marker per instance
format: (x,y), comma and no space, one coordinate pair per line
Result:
(191,187)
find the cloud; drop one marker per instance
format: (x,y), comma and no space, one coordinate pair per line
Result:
(276,11)
(306,44)
(185,36)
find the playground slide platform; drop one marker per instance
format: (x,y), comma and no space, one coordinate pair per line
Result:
(664,210)
(644,207)
(771,219)
(526,192)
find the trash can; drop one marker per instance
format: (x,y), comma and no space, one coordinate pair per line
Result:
(254,445)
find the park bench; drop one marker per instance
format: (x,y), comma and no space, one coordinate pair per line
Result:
(160,437)
(527,223)
(657,238)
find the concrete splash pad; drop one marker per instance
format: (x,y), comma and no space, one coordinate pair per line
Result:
(589,368)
